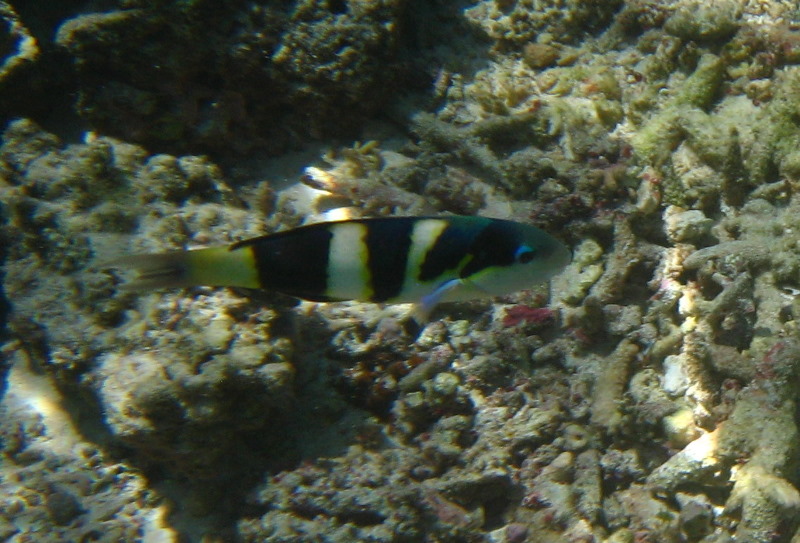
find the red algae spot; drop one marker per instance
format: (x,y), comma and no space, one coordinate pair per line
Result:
(525,313)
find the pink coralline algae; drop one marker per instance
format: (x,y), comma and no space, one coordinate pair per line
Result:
(525,313)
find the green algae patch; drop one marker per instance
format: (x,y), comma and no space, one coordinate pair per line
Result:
(656,140)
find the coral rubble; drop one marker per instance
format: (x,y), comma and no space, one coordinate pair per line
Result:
(647,394)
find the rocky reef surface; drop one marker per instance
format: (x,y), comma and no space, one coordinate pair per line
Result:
(649,393)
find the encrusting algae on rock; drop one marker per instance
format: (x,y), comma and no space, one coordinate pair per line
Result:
(646,394)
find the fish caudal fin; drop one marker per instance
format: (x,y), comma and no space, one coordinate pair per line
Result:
(215,266)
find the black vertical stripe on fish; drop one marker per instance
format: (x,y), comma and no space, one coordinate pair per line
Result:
(449,249)
(388,243)
(495,245)
(294,262)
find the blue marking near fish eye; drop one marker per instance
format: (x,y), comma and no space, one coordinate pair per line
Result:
(524,254)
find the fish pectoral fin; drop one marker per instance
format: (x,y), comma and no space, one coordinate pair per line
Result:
(423,309)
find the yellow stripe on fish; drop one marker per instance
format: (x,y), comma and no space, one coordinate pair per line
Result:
(348,256)
(422,232)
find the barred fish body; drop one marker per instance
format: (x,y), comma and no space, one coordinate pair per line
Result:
(394,259)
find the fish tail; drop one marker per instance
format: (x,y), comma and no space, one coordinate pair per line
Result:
(155,271)
(214,266)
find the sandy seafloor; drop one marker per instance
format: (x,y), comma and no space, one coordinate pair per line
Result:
(647,394)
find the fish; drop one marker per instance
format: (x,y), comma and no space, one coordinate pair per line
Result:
(425,260)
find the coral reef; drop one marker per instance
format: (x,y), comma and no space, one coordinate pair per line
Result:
(192,75)
(20,46)
(52,477)
(647,394)
(520,21)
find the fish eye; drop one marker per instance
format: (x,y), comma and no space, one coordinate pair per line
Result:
(525,254)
